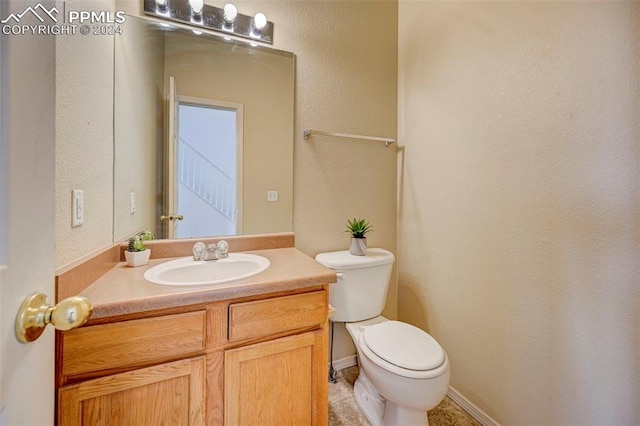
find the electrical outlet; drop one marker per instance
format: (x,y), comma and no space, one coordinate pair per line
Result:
(272,195)
(77,207)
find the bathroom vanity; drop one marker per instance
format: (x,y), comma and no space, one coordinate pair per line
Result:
(249,352)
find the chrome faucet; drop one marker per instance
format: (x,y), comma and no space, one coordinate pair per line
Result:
(202,252)
(211,253)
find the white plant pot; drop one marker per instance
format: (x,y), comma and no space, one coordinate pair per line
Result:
(137,258)
(358,246)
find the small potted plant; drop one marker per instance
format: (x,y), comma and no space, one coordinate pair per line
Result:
(137,254)
(358,229)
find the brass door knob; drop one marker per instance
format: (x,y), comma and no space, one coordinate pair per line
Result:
(35,313)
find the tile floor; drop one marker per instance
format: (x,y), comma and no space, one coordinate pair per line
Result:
(344,412)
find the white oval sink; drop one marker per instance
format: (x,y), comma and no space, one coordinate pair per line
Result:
(186,271)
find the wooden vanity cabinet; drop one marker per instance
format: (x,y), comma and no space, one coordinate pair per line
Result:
(275,382)
(279,381)
(169,394)
(260,360)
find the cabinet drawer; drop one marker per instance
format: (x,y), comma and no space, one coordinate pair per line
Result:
(260,318)
(130,343)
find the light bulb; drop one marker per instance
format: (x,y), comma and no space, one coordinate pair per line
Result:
(161,5)
(196,6)
(230,13)
(259,21)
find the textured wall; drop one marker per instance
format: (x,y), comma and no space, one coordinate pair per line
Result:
(138,128)
(84,138)
(345,82)
(263,85)
(519,217)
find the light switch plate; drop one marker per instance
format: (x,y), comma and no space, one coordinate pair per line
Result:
(77,207)
(132,203)
(272,195)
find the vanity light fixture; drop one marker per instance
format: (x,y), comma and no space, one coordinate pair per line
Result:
(226,20)
(257,24)
(161,6)
(196,9)
(229,13)
(259,21)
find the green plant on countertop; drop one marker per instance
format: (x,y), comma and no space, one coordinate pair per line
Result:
(358,228)
(136,242)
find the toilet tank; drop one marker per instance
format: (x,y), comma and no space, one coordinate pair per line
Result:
(363,281)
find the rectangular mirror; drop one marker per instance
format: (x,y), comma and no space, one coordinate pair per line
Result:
(203,134)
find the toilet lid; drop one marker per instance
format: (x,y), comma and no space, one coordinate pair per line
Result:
(403,345)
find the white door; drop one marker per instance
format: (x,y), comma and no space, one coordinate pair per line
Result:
(171,160)
(27,162)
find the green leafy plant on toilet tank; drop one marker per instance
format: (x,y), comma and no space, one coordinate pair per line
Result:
(358,228)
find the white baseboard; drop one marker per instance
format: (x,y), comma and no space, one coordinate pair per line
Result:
(342,363)
(471,409)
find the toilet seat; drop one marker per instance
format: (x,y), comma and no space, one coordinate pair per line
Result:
(402,349)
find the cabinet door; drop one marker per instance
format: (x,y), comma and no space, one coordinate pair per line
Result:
(166,394)
(280,382)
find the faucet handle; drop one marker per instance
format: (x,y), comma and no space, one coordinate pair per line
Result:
(199,251)
(222,249)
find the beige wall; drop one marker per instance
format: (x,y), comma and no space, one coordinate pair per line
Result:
(519,216)
(84,138)
(346,60)
(346,82)
(262,84)
(138,129)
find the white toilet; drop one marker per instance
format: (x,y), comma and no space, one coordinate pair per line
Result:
(403,370)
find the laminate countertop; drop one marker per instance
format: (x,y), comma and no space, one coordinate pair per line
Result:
(123,290)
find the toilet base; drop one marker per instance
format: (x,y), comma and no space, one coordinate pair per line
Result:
(380,411)
(368,400)
(395,415)
(423,394)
